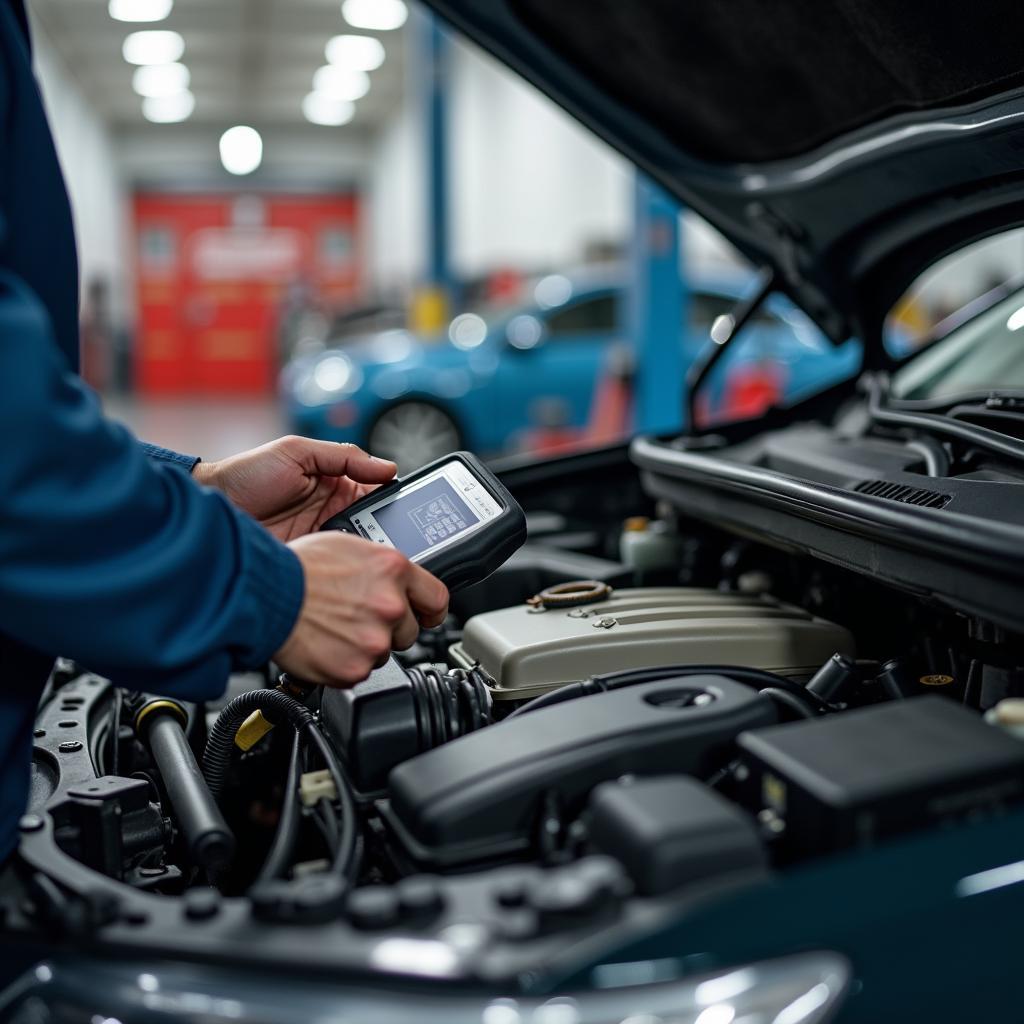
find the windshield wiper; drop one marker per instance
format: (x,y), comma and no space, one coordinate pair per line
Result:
(1002,399)
(882,412)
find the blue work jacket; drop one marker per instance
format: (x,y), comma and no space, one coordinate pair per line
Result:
(109,552)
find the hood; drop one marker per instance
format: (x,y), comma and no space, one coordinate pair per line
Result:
(845,144)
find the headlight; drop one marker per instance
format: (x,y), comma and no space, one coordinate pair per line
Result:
(333,376)
(804,989)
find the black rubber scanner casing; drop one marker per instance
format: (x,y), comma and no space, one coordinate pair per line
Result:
(470,560)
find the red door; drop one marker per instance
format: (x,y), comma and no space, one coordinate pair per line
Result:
(213,273)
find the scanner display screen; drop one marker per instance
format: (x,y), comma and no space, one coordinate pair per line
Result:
(430,513)
(426,517)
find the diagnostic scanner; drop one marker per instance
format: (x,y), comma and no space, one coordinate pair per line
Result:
(453,517)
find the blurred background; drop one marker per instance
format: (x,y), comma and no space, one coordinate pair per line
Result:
(340,219)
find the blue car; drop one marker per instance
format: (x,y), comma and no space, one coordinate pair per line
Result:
(534,374)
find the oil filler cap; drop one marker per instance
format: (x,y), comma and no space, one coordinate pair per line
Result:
(570,595)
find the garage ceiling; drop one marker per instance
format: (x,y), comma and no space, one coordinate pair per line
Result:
(251,62)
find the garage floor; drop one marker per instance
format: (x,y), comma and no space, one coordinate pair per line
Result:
(211,428)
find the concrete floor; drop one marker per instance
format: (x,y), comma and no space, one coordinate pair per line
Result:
(208,427)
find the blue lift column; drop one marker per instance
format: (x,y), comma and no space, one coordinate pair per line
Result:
(430,64)
(656,310)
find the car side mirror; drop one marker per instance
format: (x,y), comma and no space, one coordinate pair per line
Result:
(526,332)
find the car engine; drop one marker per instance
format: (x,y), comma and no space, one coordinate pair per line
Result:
(621,724)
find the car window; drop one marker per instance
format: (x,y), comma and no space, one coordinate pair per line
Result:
(984,352)
(590,316)
(953,290)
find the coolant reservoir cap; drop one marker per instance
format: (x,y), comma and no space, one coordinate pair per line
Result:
(571,594)
(636,524)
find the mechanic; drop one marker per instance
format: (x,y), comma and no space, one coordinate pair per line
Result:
(111,553)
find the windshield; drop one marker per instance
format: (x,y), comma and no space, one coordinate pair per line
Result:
(985,352)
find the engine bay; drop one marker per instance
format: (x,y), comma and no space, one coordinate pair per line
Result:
(639,714)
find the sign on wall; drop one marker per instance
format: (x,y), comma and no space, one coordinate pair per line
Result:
(219,275)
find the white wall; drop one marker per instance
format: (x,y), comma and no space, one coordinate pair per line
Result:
(91,171)
(395,209)
(529,187)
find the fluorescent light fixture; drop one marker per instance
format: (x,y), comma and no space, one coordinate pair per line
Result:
(241,149)
(376,15)
(153,47)
(320,108)
(363,53)
(161,79)
(140,10)
(169,109)
(341,83)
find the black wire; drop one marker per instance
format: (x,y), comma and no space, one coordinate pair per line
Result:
(757,678)
(288,825)
(115,730)
(789,701)
(345,860)
(326,818)
(971,699)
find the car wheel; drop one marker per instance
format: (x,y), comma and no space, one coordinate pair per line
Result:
(413,434)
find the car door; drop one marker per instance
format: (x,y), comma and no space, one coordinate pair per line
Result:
(549,372)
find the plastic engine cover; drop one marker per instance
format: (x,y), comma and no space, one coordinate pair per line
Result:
(528,652)
(482,796)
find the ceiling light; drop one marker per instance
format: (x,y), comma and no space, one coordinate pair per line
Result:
(140,10)
(553,290)
(322,109)
(241,149)
(341,83)
(168,109)
(378,15)
(160,79)
(153,47)
(467,331)
(364,53)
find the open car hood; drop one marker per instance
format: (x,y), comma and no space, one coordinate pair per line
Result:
(845,144)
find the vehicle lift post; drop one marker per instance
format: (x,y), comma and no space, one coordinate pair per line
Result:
(430,70)
(656,308)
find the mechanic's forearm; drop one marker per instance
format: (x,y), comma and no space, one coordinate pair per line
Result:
(108,557)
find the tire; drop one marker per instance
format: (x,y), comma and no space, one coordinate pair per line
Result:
(413,433)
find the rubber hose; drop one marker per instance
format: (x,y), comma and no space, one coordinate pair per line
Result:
(275,705)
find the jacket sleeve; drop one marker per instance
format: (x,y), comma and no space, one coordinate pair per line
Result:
(154,451)
(114,559)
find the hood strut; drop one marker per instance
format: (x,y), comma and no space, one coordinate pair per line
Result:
(723,331)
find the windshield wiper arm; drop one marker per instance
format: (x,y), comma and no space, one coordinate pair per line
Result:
(982,437)
(1006,399)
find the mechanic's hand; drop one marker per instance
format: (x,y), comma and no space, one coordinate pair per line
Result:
(361,602)
(293,485)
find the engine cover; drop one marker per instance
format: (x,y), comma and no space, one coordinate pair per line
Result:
(481,796)
(528,651)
